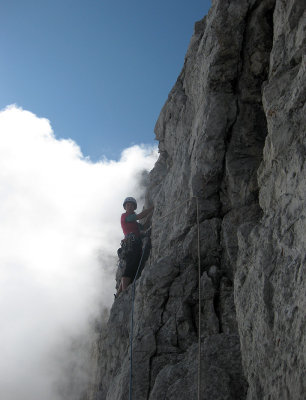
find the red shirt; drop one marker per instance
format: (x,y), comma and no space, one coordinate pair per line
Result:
(129,227)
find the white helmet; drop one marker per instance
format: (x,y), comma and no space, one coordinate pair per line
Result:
(130,200)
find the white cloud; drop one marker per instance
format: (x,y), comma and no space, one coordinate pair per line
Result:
(59,232)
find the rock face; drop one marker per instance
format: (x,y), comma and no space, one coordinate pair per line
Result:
(232,135)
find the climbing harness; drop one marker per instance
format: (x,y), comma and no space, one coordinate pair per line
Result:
(199,305)
(128,244)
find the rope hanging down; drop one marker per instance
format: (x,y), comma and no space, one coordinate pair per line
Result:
(199,288)
(199,305)
(132,325)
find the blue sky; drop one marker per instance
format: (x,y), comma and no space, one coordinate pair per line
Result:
(99,70)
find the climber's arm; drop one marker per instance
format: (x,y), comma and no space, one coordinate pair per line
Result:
(144,213)
(133,217)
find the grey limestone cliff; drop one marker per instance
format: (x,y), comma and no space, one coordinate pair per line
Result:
(232,134)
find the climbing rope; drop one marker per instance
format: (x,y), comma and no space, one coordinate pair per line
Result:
(199,305)
(132,324)
(199,289)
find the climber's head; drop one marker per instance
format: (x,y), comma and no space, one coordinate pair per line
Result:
(130,204)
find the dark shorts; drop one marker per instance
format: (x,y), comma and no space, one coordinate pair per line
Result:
(132,260)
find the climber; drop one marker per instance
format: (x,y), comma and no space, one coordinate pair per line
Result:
(131,245)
